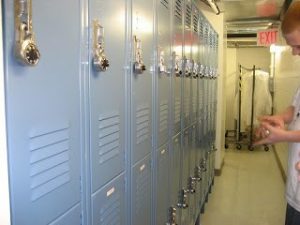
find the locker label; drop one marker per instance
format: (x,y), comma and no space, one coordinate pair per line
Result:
(110,192)
(142,167)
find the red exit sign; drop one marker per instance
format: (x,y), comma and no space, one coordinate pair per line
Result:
(267,37)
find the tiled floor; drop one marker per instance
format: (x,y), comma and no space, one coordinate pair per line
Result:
(250,191)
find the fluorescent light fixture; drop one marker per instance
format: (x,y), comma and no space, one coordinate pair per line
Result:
(213,5)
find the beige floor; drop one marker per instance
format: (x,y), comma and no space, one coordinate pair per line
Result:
(250,191)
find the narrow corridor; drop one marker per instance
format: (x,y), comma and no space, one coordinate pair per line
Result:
(250,191)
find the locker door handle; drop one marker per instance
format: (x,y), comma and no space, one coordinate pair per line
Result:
(100,62)
(138,64)
(197,174)
(25,49)
(178,66)
(191,185)
(195,70)
(162,68)
(182,197)
(171,216)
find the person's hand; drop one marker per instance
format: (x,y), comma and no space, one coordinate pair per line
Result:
(269,133)
(261,132)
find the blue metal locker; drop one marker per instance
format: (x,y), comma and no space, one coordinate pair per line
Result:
(164,61)
(177,51)
(174,182)
(185,173)
(194,177)
(162,186)
(43,111)
(141,192)
(107,91)
(188,64)
(108,203)
(196,62)
(141,78)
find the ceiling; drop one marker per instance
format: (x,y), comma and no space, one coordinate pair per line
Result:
(244,18)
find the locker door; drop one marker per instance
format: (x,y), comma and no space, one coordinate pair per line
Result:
(108,203)
(162,185)
(141,193)
(177,54)
(201,121)
(43,116)
(164,69)
(107,91)
(194,174)
(188,64)
(186,173)
(195,57)
(175,170)
(141,78)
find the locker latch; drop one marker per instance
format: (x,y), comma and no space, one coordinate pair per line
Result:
(162,68)
(197,174)
(182,199)
(201,70)
(178,67)
(188,67)
(25,49)
(171,216)
(195,70)
(191,185)
(203,165)
(100,62)
(138,65)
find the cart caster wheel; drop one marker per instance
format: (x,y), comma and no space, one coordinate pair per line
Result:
(226,146)
(238,147)
(250,148)
(266,148)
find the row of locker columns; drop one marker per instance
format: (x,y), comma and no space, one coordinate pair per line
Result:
(73,141)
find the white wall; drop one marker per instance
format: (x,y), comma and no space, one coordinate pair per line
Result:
(217,22)
(231,87)
(260,57)
(4,193)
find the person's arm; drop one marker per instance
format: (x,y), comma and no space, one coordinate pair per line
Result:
(279,120)
(288,114)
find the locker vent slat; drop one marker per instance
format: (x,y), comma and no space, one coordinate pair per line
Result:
(188,16)
(142,124)
(49,161)
(163,117)
(142,186)
(177,110)
(165,3)
(195,22)
(109,137)
(110,212)
(178,9)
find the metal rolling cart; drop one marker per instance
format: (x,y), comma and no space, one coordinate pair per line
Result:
(237,136)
